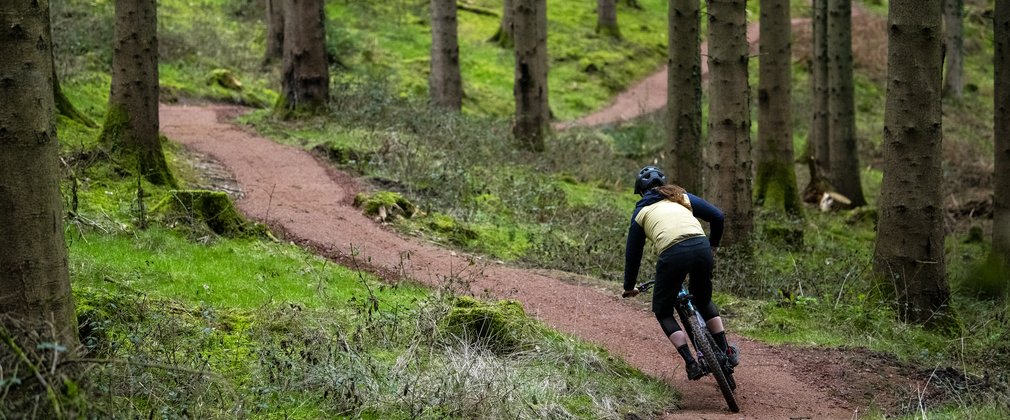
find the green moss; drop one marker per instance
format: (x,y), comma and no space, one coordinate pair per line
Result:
(116,119)
(202,209)
(224,78)
(385,202)
(501,326)
(67,109)
(129,159)
(776,189)
(613,32)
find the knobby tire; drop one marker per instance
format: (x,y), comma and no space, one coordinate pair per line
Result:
(704,344)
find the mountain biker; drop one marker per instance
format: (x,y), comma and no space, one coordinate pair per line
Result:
(668,216)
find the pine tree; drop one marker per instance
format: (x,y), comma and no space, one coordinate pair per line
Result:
(683,103)
(34,279)
(776,176)
(909,249)
(728,176)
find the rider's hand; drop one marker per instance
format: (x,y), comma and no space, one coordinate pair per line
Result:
(630,293)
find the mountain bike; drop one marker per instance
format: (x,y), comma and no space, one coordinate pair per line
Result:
(712,361)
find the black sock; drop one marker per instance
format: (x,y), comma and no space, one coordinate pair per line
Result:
(720,340)
(686,354)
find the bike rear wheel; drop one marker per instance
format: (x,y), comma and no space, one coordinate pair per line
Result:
(703,343)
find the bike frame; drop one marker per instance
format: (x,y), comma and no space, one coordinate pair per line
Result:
(722,371)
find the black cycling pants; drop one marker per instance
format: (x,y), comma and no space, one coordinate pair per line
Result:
(692,257)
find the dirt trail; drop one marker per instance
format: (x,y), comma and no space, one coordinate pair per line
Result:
(649,95)
(289,188)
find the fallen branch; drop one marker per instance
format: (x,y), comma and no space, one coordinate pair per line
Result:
(476,10)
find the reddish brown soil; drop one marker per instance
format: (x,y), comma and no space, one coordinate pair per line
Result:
(289,189)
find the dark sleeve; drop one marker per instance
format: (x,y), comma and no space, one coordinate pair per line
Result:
(633,253)
(711,214)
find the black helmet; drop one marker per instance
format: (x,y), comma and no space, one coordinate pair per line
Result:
(648,178)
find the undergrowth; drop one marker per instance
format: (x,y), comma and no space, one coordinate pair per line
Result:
(567,208)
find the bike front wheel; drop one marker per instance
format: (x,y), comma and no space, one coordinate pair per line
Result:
(703,343)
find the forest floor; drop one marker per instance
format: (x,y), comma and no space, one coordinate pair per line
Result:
(310,203)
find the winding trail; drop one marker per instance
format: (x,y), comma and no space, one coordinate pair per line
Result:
(288,188)
(649,95)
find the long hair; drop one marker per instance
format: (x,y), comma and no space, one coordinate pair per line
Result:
(674,193)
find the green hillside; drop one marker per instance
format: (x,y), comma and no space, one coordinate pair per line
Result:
(183,322)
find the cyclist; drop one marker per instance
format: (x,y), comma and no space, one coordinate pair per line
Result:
(668,216)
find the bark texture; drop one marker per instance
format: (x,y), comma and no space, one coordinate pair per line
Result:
(530,89)
(683,99)
(275,31)
(34,279)
(776,175)
(953,19)
(305,81)
(131,122)
(445,83)
(504,37)
(909,249)
(844,162)
(819,78)
(728,178)
(606,18)
(1001,178)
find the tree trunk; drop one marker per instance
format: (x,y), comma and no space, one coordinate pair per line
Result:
(606,18)
(1001,181)
(776,175)
(953,15)
(504,37)
(445,83)
(532,110)
(305,81)
(63,105)
(131,122)
(34,281)
(819,77)
(817,150)
(275,31)
(683,95)
(728,179)
(66,108)
(909,250)
(844,162)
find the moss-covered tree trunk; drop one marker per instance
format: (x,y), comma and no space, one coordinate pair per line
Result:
(34,280)
(305,81)
(532,109)
(953,19)
(817,140)
(776,176)
(909,249)
(275,31)
(728,178)
(1001,180)
(131,122)
(606,18)
(445,83)
(683,95)
(503,37)
(63,105)
(844,162)
(66,108)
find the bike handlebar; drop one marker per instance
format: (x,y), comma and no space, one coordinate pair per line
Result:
(644,287)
